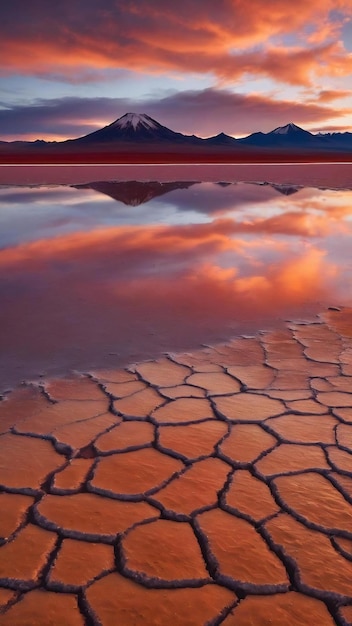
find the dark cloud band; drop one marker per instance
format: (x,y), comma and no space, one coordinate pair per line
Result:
(205,113)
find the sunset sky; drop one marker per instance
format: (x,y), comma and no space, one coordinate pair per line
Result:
(197,66)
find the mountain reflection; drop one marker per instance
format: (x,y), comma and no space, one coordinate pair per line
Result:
(287,190)
(89,282)
(133,192)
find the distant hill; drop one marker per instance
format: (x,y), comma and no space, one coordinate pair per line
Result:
(289,135)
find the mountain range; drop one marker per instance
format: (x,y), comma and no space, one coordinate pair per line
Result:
(135,193)
(139,133)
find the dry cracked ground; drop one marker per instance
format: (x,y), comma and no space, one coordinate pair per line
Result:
(200,489)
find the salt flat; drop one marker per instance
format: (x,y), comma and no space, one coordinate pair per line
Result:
(212,487)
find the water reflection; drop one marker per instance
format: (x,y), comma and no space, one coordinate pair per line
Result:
(134,192)
(111,272)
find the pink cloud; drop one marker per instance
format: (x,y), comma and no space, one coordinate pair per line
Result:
(155,37)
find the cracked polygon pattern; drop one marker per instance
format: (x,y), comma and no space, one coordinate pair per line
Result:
(184,410)
(290,379)
(164,550)
(14,508)
(304,428)
(246,442)
(242,557)
(134,473)
(315,500)
(248,407)
(118,600)
(182,391)
(253,376)
(335,399)
(80,434)
(163,373)
(287,458)
(343,482)
(22,558)
(123,390)
(22,403)
(281,610)
(344,414)
(250,496)
(215,383)
(25,461)
(212,487)
(194,489)
(138,404)
(340,459)
(306,406)
(316,565)
(344,436)
(60,414)
(194,440)
(72,477)
(321,384)
(79,388)
(289,394)
(44,607)
(89,516)
(341,383)
(79,562)
(128,435)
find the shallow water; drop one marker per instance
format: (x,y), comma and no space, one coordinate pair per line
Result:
(98,273)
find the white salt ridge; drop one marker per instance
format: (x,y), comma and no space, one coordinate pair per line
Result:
(135,120)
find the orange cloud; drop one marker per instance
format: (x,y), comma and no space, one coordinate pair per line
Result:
(155,37)
(298,65)
(329,95)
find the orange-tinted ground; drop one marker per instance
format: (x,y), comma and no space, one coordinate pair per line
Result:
(201,489)
(134,153)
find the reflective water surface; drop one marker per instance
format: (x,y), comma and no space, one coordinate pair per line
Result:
(101,273)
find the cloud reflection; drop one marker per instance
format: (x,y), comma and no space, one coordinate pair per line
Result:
(137,290)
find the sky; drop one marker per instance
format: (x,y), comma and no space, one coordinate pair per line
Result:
(197,66)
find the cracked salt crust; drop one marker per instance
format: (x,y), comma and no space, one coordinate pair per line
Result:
(205,488)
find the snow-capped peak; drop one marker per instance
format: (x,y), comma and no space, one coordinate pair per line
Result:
(135,120)
(284,130)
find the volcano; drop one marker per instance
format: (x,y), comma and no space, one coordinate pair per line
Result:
(136,128)
(289,135)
